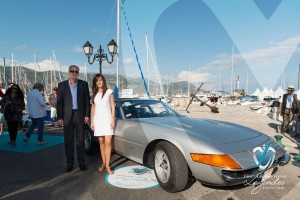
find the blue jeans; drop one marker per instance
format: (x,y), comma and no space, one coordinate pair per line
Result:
(39,123)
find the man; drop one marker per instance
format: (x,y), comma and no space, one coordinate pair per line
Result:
(52,102)
(73,112)
(288,108)
(37,111)
(2,92)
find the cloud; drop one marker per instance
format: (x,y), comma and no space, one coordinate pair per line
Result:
(128,61)
(78,49)
(276,55)
(272,56)
(194,76)
(21,47)
(259,61)
(46,65)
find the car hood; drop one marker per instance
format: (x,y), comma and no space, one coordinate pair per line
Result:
(212,131)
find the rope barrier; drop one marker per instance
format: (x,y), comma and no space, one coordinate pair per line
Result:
(136,56)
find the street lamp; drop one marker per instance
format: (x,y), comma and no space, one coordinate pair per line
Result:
(100,56)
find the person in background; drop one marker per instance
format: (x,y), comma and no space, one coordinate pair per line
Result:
(10,84)
(13,103)
(52,102)
(73,112)
(2,92)
(103,118)
(37,111)
(288,108)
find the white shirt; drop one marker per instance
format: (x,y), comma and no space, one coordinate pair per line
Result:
(3,91)
(36,104)
(289,100)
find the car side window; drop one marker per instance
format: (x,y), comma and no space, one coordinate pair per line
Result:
(118,112)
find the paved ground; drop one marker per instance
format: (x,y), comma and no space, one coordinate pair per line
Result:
(40,175)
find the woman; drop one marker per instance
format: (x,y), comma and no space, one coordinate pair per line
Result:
(103,118)
(13,103)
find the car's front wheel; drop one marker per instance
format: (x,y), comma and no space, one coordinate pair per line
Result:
(91,147)
(171,169)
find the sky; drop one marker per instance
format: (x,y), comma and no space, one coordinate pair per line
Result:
(210,41)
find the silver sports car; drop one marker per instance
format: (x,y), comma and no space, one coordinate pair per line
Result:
(179,148)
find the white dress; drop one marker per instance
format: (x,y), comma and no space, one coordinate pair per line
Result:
(102,114)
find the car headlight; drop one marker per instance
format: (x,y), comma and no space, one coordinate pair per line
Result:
(223,161)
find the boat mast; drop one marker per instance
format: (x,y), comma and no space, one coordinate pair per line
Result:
(189,81)
(51,80)
(231,81)
(247,84)
(12,67)
(298,75)
(281,84)
(85,70)
(34,60)
(4,71)
(147,58)
(118,39)
(220,73)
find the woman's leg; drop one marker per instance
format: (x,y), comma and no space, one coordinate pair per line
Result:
(102,151)
(9,129)
(108,152)
(14,130)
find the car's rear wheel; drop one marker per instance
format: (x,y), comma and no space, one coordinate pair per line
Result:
(91,147)
(171,169)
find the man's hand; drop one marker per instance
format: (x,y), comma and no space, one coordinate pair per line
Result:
(61,122)
(86,120)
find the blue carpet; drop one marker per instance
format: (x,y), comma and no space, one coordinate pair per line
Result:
(31,145)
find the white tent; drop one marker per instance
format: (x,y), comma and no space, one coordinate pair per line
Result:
(272,93)
(256,93)
(279,92)
(265,93)
(298,94)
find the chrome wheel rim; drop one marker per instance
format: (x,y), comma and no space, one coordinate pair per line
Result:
(162,166)
(88,140)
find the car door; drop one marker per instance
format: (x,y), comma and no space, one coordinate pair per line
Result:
(129,140)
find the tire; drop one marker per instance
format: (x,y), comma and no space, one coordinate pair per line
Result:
(171,169)
(91,147)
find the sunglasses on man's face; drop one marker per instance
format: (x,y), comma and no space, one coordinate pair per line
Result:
(74,71)
(13,88)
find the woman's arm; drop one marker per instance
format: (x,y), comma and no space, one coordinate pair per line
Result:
(113,110)
(92,115)
(112,106)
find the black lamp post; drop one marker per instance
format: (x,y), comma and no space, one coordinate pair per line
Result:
(100,55)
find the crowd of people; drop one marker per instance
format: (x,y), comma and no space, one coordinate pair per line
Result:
(73,107)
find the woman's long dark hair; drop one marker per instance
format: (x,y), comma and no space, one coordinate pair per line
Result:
(19,91)
(95,87)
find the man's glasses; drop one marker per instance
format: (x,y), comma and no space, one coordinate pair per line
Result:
(73,71)
(13,88)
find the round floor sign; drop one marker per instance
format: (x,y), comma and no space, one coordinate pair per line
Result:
(133,177)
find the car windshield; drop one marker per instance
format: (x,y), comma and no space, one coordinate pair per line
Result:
(146,109)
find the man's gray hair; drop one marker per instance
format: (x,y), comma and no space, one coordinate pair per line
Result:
(38,86)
